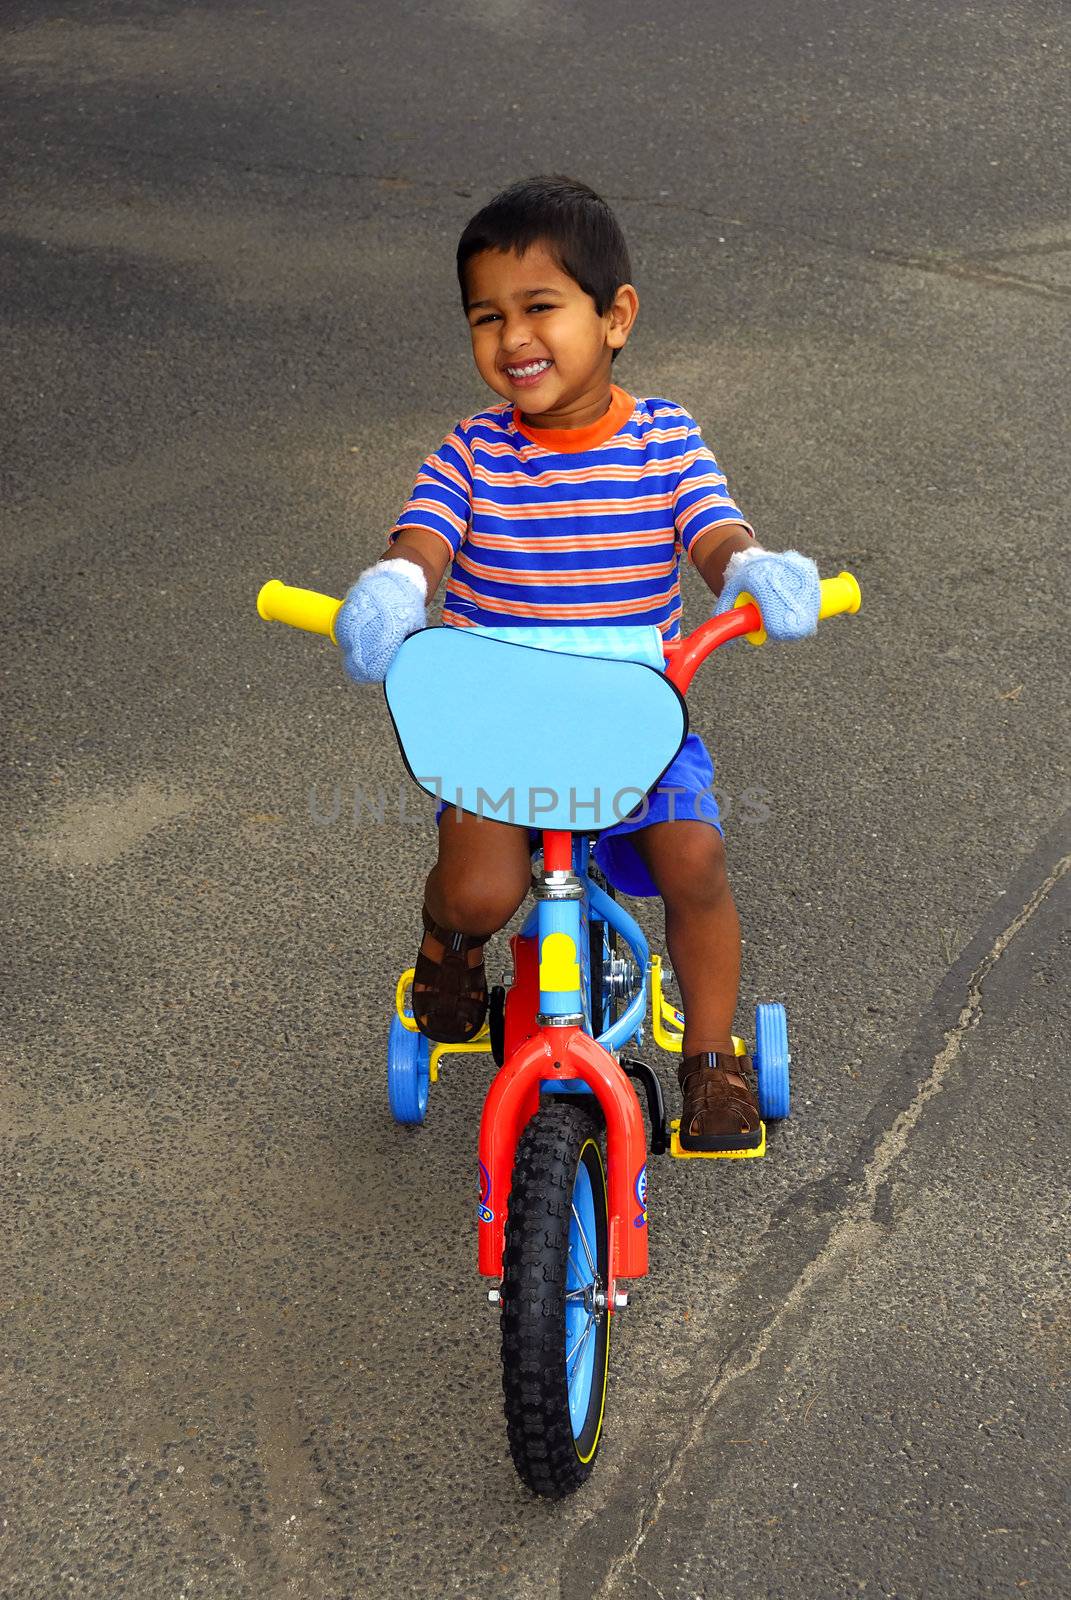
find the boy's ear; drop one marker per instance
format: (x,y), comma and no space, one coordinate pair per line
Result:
(622,315)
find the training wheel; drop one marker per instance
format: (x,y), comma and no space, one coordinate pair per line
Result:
(408,1073)
(771,1059)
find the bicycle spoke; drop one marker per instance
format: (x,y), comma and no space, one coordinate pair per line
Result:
(584,1241)
(578,1346)
(581,1281)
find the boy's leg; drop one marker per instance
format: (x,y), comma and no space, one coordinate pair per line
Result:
(481,877)
(686,861)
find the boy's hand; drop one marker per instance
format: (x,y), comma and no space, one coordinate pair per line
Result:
(784,585)
(385,606)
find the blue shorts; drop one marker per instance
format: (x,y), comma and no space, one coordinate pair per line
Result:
(684,793)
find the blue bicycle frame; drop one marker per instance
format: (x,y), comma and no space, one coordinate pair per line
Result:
(561,921)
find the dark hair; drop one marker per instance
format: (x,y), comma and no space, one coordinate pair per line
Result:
(572,220)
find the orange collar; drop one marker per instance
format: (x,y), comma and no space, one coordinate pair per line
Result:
(567,440)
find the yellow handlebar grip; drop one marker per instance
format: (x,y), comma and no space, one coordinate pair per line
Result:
(839,594)
(299,608)
(745,599)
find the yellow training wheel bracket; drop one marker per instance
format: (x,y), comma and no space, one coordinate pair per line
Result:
(298,608)
(404,983)
(839,594)
(480,1045)
(662,1012)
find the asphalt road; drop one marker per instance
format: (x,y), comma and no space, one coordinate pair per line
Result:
(245,1351)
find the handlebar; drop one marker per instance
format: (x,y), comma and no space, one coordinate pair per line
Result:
(316,613)
(684,656)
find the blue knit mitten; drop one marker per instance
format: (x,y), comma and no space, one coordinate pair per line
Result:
(385,606)
(783,584)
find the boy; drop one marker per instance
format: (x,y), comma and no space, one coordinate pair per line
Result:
(571,502)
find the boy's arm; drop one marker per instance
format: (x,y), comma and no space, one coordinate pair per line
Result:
(783,584)
(389,602)
(712,551)
(426,550)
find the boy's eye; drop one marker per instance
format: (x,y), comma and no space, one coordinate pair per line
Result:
(493,316)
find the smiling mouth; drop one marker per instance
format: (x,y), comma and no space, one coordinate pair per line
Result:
(530,372)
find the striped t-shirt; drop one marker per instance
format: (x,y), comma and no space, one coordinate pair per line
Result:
(570,525)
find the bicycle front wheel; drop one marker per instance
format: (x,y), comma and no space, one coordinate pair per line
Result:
(555,1327)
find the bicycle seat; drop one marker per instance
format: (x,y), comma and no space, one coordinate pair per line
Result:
(529,735)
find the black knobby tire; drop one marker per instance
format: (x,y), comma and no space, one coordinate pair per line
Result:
(551,1459)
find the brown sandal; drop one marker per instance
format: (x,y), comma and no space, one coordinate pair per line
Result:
(721,1110)
(449,996)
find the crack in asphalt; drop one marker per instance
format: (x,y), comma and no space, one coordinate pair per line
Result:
(1054,247)
(858,1219)
(977,272)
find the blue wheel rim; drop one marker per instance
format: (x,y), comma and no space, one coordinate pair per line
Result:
(581,1331)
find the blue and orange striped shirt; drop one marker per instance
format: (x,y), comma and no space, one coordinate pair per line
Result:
(570,525)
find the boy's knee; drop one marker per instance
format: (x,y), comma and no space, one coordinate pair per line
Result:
(478,905)
(690,869)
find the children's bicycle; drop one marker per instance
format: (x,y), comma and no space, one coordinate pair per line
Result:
(562,1226)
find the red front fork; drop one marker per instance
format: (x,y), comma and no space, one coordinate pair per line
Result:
(513,1099)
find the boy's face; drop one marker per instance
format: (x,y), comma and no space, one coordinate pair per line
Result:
(537,338)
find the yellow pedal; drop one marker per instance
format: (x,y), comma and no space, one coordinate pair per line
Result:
(675,1148)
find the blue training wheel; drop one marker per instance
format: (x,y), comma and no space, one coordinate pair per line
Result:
(408,1073)
(771,1060)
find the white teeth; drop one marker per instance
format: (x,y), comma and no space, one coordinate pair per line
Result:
(528,371)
